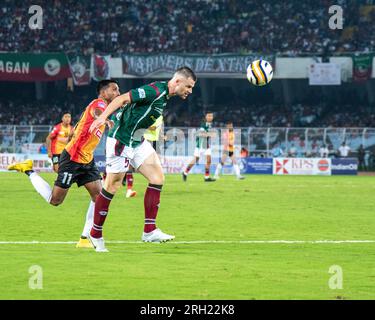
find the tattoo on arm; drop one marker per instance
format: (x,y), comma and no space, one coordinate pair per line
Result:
(97,113)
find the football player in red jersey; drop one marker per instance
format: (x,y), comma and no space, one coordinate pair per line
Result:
(76,163)
(58,139)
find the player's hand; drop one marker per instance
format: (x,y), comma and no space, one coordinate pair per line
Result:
(50,155)
(110,124)
(96,124)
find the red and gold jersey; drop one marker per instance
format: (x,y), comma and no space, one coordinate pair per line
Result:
(228,140)
(82,146)
(59,137)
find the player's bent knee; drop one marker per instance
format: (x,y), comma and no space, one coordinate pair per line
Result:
(113,187)
(157,179)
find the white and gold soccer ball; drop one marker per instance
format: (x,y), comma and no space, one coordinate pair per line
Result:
(259,72)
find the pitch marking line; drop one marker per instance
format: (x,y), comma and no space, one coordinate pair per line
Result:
(206,242)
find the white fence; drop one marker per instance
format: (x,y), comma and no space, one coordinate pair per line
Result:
(302,142)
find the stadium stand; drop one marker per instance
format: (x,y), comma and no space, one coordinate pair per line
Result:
(254,115)
(170,26)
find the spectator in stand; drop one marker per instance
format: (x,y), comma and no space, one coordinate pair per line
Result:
(292,151)
(367,159)
(361,158)
(277,152)
(43,149)
(344,150)
(323,151)
(244,152)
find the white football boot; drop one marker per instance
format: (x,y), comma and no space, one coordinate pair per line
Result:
(156,236)
(130,193)
(98,244)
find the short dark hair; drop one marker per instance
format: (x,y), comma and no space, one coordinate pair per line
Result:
(103,84)
(187,73)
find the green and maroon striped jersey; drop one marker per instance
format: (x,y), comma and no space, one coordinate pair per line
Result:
(147,104)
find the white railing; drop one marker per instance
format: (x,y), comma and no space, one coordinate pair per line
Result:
(258,141)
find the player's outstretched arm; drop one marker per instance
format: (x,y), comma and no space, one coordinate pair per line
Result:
(112,107)
(48,143)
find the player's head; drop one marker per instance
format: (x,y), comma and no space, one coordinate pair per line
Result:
(108,89)
(209,116)
(183,82)
(66,119)
(230,125)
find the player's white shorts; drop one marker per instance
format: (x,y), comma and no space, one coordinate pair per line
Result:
(202,151)
(118,161)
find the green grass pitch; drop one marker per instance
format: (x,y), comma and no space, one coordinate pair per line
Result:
(259,208)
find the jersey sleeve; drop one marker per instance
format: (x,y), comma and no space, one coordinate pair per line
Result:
(146,93)
(97,104)
(54,132)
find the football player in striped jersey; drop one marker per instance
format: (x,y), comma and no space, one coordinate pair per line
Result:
(76,163)
(126,146)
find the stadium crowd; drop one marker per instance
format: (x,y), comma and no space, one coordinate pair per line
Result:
(267,115)
(204,26)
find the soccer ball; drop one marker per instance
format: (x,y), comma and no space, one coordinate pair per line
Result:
(259,72)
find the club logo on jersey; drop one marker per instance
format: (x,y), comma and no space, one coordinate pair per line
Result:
(141,93)
(52,67)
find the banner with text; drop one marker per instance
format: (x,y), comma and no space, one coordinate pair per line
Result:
(257,165)
(29,67)
(140,65)
(302,166)
(41,162)
(345,166)
(324,74)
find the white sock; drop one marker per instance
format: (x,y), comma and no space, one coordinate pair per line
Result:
(41,186)
(218,169)
(237,170)
(89,219)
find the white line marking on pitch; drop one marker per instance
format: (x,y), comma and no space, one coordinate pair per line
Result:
(207,242)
